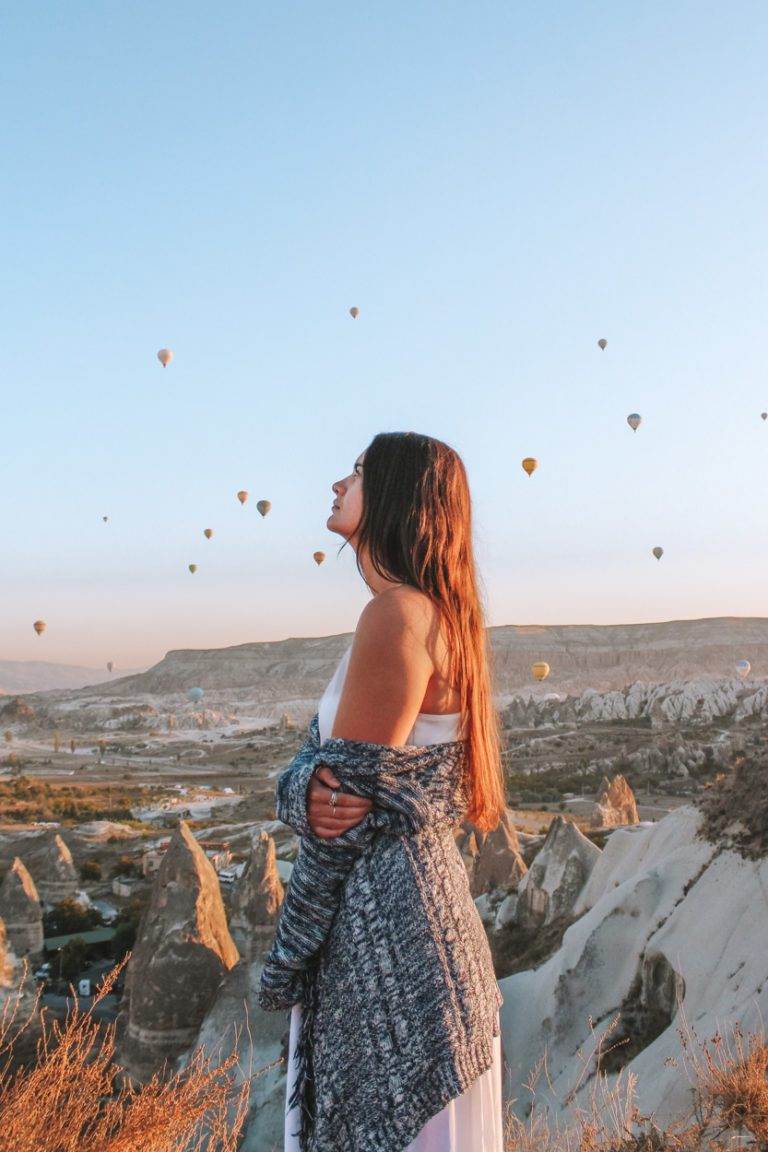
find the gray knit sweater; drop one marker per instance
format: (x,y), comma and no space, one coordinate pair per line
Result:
(379,938)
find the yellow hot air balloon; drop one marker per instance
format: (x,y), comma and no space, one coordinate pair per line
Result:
(318,557)
(602,342)
(165,356)
(207,532)
(39,627)
(530,464)
(658,552)
(540,670)
(264,506)
(242,496)
(192,568)
(354,313)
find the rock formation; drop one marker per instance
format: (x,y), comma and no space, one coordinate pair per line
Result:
(615,804)
(670,912)
(256,900)
(557,875)
(22,912)
(55,871)
(183,950)
(492,859)
(18,1006)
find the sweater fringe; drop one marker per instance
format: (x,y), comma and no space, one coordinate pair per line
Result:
(303,1094)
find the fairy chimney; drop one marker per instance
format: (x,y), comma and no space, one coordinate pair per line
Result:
(182,951)
(56,874)
(492,859)
(256,900)
(22,912)
(615,804)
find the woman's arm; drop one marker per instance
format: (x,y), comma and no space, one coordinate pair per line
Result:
(387,676)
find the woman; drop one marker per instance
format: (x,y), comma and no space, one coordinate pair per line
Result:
(417,674)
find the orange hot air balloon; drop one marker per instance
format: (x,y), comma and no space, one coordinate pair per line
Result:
(165,356)
(264,506)
(39,626)
(192,568)
(602,343)
(540,670)
(354,313)
(207,532)
(530,464)
(242,495)
(318,557)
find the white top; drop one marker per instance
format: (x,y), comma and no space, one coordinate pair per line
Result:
(429,727)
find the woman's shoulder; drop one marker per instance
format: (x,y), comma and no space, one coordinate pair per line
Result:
(400,606)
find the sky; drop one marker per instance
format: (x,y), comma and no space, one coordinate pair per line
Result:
(496,186)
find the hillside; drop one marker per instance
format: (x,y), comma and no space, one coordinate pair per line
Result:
(602,657)
(40,676)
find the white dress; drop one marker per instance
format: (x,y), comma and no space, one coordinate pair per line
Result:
(471,1122)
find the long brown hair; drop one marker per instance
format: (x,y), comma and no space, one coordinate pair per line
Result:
(416,527)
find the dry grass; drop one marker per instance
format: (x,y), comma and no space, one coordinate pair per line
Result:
(728,1080)
(67,1099)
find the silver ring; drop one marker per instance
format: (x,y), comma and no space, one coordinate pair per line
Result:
(333,799)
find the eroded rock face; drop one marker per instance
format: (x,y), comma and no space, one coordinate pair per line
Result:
(256,900)
(615,805)
(55,872)
(182,952)
(22,911)
(557,875)
(17,1004)
(492,859)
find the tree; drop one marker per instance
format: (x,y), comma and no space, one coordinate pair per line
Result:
(69,916)
(91,870)
(72,958)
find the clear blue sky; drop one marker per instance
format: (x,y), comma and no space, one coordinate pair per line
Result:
(495,186)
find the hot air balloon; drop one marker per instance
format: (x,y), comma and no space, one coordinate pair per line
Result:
(318,557)
(264,506)
(634,420)
(540,670)
(207,532)
(530,465)
(105,518)
(658,552)
(354,313)
(195,695)
(110,665)
(602,343)
(165,356)
(743,668)
(192,568)
(764,415)
(39,627)
(242,495)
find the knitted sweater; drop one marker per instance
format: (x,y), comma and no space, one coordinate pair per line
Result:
(379,938)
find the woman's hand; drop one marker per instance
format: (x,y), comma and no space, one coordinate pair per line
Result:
(324,820)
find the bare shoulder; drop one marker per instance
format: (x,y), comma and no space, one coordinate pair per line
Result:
(400,609)
(389,669)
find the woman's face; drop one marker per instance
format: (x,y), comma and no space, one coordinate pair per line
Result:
(348,504)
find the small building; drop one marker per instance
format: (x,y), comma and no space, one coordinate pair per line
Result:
(124,885)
